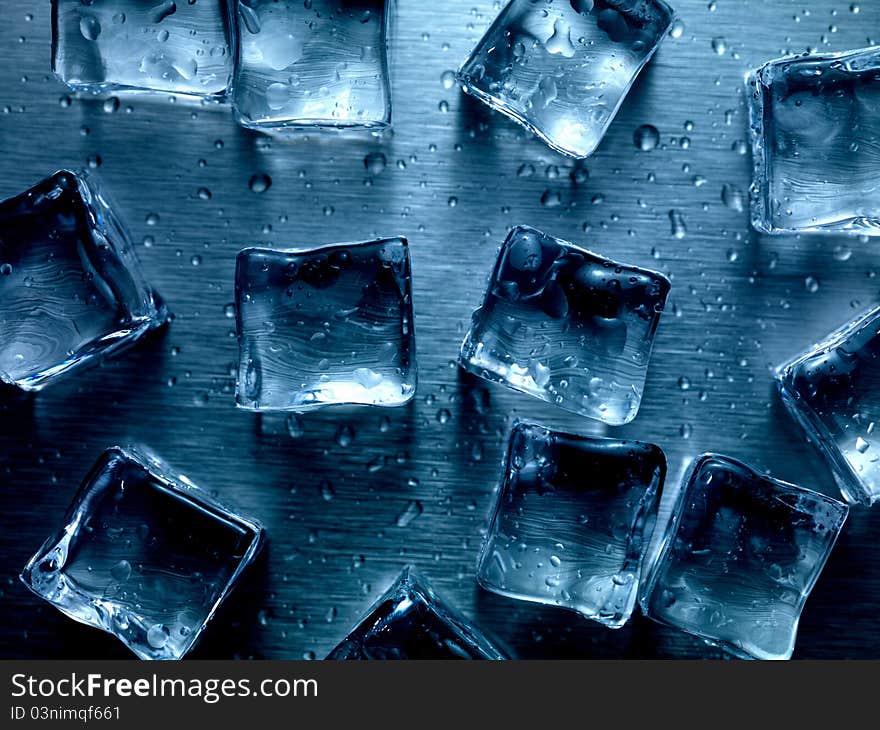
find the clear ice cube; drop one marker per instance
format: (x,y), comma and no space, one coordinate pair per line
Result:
(325,326)
(71,289)
(107,46)
(323,63)
(562,68)
(739,557)
(411,622)
(143,555)
(567,326)
(833,391)
(815,132)
(572,521)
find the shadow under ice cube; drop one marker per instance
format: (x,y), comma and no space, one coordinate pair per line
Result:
(325,326)
(411,622)
(107,46)
(323,63)
(567,326)
(833,392)
(572,522)
(71,289)
(739,557)
(815,127)
(143,555)
(562,68)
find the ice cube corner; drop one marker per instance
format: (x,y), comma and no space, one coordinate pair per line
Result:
(410,621)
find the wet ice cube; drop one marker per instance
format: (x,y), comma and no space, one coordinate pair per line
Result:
(325,326)
(572,521)
(562,68)
(323,63)
(107,46)
(815,127)
(833,391)
(71,289)
(144,555)
(411,622)
(739,557)
(566,326)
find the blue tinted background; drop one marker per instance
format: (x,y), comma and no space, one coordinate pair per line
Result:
(457,177)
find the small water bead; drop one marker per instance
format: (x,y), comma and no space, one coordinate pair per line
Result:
(204,194)
(811,284)
(152,219)
(111,105)
(719,45)
(646,137)
(448,79)
(157,636)
(260,183)
(345,436)
(89,27)
(375,163)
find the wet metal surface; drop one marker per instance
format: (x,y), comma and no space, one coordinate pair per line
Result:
(349,497)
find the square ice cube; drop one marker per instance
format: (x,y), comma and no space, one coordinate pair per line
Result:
(411,622)
(71,289)
(567,326)
(325,326)
(323,63)
(833,391)
(107,46)
(815,128)
(572,522)
(562,68)
(739,557)
(144,555)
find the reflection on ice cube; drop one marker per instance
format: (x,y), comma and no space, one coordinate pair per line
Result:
(566,326)
(108,46)
(833,391)
(739,558)
(318,64)
(144,555)
(816,143)
(572,522)
(563,67)
(325,326)
(71,289)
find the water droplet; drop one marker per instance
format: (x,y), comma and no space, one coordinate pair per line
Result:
(260,182)
(121,571)
(447,79)
(719,45)
(733,198)
(89,27)
(157,636)
(811,284)
(861,445)
(345,436)
(677,223)
(646,137)
(162,11)
(411,511)
(375,163)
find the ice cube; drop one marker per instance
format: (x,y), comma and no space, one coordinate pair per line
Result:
(71,289)
(411,622)
(572,522)
(107,46)
(562,68)
(323,63)
(833,391)
(566,326)
(144,555)
(739,557)
(816,143)
(325,326)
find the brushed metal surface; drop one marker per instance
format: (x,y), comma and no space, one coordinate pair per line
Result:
(457,178)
